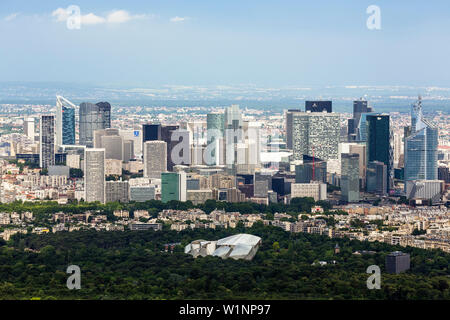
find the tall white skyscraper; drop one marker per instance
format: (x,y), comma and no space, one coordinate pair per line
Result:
(29,128)
(155,158)
(94,175)
(398,147)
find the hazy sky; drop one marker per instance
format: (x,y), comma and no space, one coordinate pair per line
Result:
(273,43)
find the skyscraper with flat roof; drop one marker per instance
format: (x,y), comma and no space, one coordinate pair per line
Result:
(215,125)
(397,262)
(153,132)
(29,128)
(319,106)
(47,141)
(316,134)
(94,175)
(173,186)
(379,146)
(350,177)
(377,178)
(93,117)
(155,158)
(289,124)
(311,170)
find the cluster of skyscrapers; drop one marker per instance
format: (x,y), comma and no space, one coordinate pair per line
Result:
(228,150)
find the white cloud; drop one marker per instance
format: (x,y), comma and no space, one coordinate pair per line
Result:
(60,14)
(91,18)
(11,16)
(179,19)
(114,17)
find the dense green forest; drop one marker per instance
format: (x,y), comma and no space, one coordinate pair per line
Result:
(133,265)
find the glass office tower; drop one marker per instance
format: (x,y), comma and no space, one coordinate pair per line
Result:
(379,143)
(65,121)
(47,141)
(93,117)
(350,177)
(421,147)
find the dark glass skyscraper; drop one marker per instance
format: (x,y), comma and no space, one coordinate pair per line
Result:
(151,132)
(304,172)
(93,117)
(68,126)
(376,178)
(319,106)
(379,142)
(359,107)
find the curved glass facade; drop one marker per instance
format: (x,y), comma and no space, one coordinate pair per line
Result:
(421,148)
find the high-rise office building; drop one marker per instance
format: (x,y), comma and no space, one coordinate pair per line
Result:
(312,169)
(377,178)
(424,190)
(316,134)
(93,117)
(234,147)
(173,186)
(94,175)
(128,150)
(359,107)
(319,106)
(421,147)
(113,146)
(289,124)
(134,135)
(379,143)
(397,262)
(65,121)
(153,132)
(215,125)
(155,158)
(99,134)
(29,128)
(215,121)
(233,117)
(117,191)
(361,150)
(262,184)
(110,140)
(350,177)
(315,189)
(444,174)
(361,132)
(142,193)
(47,141)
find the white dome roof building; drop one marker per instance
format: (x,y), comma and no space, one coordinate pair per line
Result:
(239,246)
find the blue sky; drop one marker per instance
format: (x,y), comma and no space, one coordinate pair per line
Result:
(272,43)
